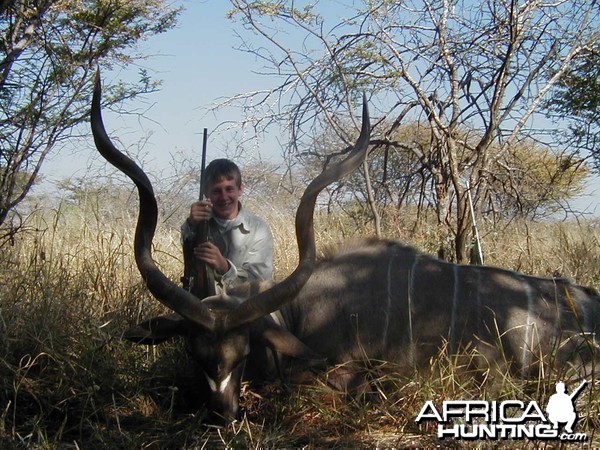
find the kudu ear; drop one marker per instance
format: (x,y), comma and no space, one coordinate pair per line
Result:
(284,342)
(157,330)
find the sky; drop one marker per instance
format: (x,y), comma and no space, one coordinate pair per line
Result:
(199,64)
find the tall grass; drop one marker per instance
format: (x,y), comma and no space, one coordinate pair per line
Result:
(69,287)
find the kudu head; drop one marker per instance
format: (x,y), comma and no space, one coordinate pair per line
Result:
(219,329)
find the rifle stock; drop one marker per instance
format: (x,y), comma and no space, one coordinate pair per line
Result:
(198,277)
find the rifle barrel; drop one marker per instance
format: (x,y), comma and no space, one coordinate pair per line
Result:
(203,164)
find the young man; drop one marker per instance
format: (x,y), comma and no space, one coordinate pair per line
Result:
(240,246)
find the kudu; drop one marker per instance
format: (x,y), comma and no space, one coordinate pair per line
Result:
(223,330)
(379,301)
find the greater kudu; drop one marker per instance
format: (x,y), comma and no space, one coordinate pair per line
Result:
(376,301)
(223,330)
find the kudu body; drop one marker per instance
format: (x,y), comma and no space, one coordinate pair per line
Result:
(378,301)
(386,301)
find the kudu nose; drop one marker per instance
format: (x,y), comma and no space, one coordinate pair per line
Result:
(221,413)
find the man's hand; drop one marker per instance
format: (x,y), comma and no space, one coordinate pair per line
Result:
(211,255)
(200,211)
(207,251)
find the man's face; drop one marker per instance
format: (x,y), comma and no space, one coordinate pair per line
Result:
(225,195)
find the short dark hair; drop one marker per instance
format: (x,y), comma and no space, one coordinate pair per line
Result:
(221,168)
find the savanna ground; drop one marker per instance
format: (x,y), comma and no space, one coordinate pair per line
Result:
(69,287)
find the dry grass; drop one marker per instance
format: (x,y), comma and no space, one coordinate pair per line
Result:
(68,381)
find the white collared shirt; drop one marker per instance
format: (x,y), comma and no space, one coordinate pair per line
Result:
(246,242)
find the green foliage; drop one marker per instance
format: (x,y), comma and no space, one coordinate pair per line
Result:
(579,90)
(531,181)
(577,99)
(49,51)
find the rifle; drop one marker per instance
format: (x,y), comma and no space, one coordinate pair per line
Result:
(198,277)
